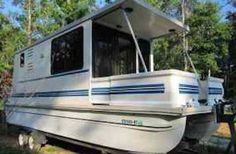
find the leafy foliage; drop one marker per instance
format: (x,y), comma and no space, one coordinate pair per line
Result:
(230,82)
(208,41)
(47,16)
(11,39)
(168,53)
(5,84)
(171,7)
(69,7)
(208,38)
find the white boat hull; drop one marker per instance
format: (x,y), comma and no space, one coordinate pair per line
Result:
(149,134)
(201,126)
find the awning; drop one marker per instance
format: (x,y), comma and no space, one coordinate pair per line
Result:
(147,21)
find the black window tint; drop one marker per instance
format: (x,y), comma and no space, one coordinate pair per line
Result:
(114,52)
(22,60)
(67,52)
(145,48)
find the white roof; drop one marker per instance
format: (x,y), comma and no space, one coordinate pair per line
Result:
(146,20)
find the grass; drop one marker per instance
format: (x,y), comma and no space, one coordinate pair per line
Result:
(49,149)
(1,105)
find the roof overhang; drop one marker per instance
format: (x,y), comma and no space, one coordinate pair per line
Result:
(147,21)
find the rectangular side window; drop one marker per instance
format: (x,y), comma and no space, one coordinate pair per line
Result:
(67,52)
(22,60)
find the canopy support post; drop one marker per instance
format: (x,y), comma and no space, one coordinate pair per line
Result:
(137,62)
(151,59)
(136,43)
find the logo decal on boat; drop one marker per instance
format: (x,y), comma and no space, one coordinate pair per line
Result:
(132,122)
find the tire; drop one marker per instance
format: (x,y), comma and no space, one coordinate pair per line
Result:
(33,145)
(23,139)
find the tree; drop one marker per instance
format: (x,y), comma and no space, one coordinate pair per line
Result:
(232,47)
(42,17)
(11,38)
(174,7)
(74,9)
(169,51)
(208,39)
(232,22)
(230,82)
(27,17)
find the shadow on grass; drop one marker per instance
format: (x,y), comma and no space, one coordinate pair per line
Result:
(6,149)
(8,130)
(8,139)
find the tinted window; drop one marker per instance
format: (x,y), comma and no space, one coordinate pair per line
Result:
(67,52)
(114,52)
(22,60)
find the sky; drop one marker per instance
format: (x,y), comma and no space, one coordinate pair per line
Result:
(10,8)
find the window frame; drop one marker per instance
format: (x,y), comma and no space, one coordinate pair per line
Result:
(53,72)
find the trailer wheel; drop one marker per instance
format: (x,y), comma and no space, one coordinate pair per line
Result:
(22,139)
(33,145)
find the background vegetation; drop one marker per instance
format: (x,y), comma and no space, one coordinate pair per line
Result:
(212,38)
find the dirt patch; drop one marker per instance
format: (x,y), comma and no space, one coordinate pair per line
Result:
(223,130)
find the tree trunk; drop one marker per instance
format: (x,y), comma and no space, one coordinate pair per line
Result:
(183,6)
(29,26)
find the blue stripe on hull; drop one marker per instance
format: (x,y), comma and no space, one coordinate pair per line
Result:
(130,92)
(69,93)
(121,90)
(188,89)
(118,90)
(188,92)
(130,89)
(215,91)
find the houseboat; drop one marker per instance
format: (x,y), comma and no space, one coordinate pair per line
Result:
(93,82)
